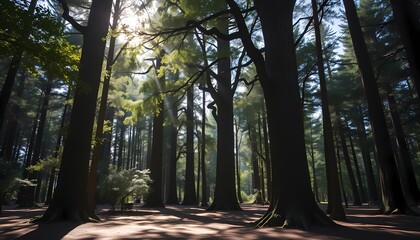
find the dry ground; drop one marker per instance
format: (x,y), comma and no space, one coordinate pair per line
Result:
(185,222)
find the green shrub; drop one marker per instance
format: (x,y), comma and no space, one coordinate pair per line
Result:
(122,185)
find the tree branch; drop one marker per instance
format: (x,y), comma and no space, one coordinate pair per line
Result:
(66,15)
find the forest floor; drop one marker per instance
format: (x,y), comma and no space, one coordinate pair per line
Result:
(188,222)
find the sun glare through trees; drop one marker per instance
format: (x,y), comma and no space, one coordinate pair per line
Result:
(160,119)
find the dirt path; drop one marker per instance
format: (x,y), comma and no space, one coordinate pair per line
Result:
(183,222)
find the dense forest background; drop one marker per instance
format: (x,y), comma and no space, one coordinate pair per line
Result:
(210,103)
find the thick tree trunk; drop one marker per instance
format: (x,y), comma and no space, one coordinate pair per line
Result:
(406,18)
(335,208)
(70,197)
(405,167)
(190,197)
(293,201)
(225,189)
(392,196)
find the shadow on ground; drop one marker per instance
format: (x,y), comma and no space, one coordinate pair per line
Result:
(189,222)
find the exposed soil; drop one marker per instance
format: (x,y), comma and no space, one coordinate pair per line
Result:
(188,222)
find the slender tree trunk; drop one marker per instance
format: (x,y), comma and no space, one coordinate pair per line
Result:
(315,184)
(121,140)
(392,195)
(367,162)
(354,189)
(190,197)
(204,195)
(173,133)
(267,156)
(238,172)
(346,203)
(70,200)
(335,208)
(255,164)
(58,144)
(362,190)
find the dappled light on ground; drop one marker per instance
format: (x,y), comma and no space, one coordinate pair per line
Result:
(189,222)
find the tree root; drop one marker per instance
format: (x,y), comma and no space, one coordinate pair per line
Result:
(297,220)
(59,215)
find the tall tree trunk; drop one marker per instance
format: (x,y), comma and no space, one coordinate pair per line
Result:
(237,165)
(267,159)
(406,18)
(261,161)
(315,184)
(405,167)
(172,197)
(58,144)
(392,196)
(367,162)
(225,190)
(190,197)
(6,91)
(335,208)
(293,202)
(70,197)
(39,139)
(121,140)
(255,163)
(354,189)
(155,198)
(12,125)
(346,203)
(204,195)
(362,191)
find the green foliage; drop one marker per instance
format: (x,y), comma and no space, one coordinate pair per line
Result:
(247,198)
(121,184)
(45,165)
(46,49)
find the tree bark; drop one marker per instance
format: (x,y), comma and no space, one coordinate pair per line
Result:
(293,201)
(172,197)
(405,167)
(354,189)
(335,208)
(190,197)
(225,190)
(392,196)
(406,18)
(367,162)
(70,197)
(155,199)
